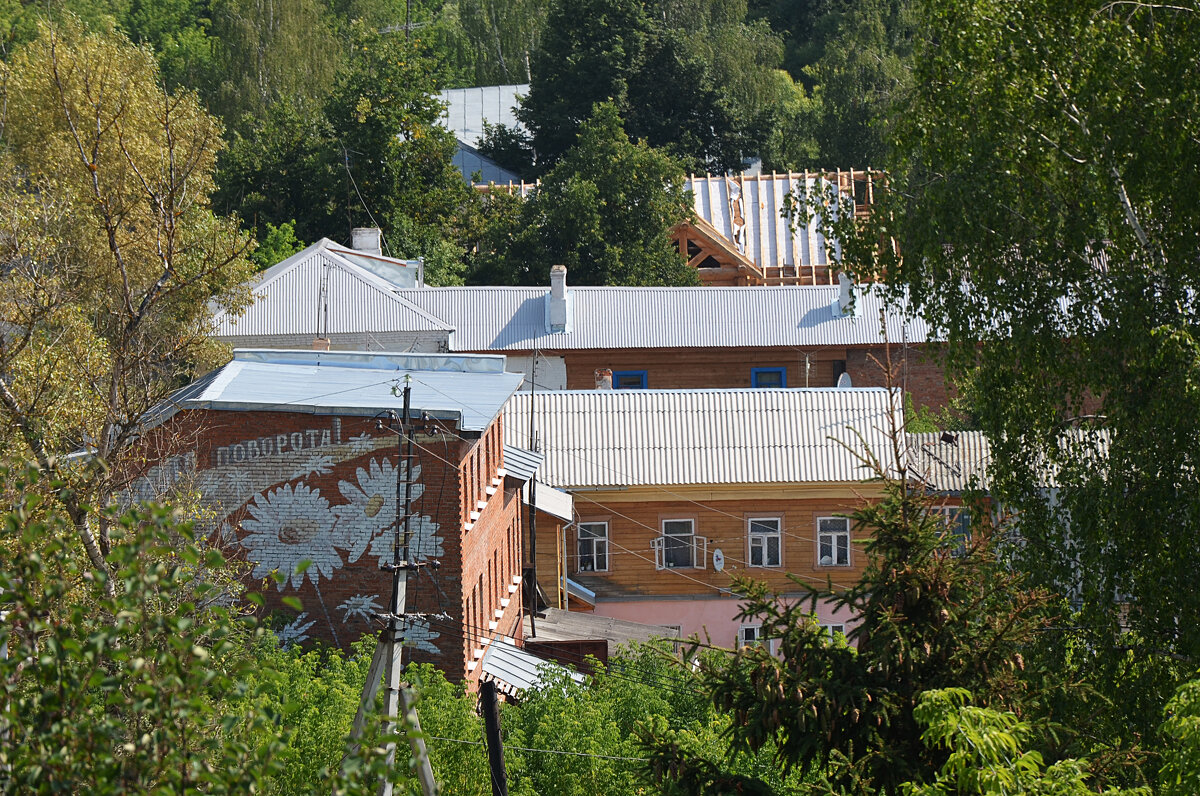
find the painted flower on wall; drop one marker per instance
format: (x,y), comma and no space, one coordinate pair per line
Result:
(418,635)
(287,526)
(294,632)
(360,606)
(370,508)
(423,542)
(314,465)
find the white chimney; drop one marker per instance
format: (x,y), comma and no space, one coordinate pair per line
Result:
(366,240)
(845,303)
(558,317)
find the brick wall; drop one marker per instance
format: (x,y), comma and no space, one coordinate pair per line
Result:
(284,487)
(733,368)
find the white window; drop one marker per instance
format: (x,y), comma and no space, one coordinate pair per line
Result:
(765,549)
(678,546)
(834,630)
(593,547)
(957,533)
(750,635)
(833,541)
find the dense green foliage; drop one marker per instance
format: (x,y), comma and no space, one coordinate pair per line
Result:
(1046,165)
(928,619)
(604,212)
(146,676)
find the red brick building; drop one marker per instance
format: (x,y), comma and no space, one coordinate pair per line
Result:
(292,454)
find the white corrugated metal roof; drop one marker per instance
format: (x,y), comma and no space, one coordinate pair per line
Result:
(468,108)
(748,210)
(326,290)
(514,318)
(470,389)
(614,438)
(515,670)
(950,461)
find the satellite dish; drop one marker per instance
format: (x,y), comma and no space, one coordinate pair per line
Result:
(718,560)
(843,382)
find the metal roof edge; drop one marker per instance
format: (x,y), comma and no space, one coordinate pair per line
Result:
(372,360)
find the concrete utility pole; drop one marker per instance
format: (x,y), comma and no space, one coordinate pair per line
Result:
(398,702)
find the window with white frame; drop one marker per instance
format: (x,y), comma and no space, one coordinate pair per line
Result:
(677,545)
(593,547)
(750,635)
(834,630)
(833,541)
(765,547)
(957,522)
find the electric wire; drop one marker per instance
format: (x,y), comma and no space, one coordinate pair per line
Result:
(650,678)
(547,751)
(620,671)
(657,487)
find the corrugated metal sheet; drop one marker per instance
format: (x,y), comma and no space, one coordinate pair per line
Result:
(950,461)
(468,389)
(614,438)
(319,292)
(468,108)
(514,319)
(514,670)
(520,463)
(749,210)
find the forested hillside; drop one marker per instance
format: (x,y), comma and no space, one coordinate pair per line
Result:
(330,111)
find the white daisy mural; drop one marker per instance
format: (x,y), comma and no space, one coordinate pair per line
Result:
(294,632)
(360,606)
(287,526)
(418,635)
(366,522)
(423,543)
(314,465)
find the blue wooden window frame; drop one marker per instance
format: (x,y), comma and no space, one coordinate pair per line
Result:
(756,372)
(618,374)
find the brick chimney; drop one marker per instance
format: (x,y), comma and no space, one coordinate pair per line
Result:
(367,240)
(604,379)
(558,318)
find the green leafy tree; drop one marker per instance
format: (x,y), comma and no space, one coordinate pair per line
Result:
(604,212)
(926,619)
(113,254)
(278,243)
(861,77)
(503,33)
(1045,167)
(693,78)
(269,50)
(987,753)
(123,689)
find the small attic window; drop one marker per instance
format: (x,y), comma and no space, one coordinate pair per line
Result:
(709,262)
(693,249)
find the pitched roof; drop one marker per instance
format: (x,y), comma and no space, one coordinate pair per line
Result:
(617,438)
(468,108)
(748,210)
(469,389)
(514,318)
(328,289)
(952,462)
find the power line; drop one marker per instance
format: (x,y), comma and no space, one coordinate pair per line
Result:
(547,751)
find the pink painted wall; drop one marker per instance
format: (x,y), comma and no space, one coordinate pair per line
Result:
(712,619)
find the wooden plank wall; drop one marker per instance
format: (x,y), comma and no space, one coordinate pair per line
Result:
(633,525)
